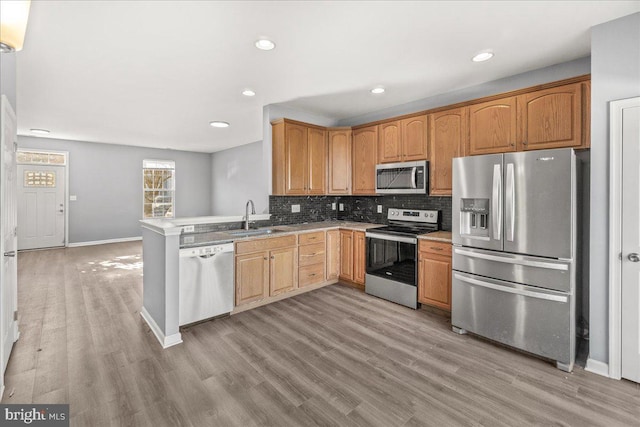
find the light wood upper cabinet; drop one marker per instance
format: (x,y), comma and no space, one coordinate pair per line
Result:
(492,127)
(414,138)
(299,158)
(365,144)
(346,255)
(448,136)
(434,274)
(339,161)
(359,258)
(403,140)
(389,142)
(333,254)
(551,118)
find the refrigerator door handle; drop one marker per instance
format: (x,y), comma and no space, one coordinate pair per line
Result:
(510,211)
(539,295)
(496,199)
(523,262)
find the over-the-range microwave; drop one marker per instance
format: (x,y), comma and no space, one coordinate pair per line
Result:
(403,178)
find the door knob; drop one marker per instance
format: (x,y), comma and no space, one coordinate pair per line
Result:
(10,253)
(634,257)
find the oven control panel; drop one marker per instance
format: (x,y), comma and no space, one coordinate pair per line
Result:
(413,215)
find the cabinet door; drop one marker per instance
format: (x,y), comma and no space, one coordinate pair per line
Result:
(365,147)
(284,270)
(434,280)
(317,161)
(359,258)
(346,255)
(252,277)
(551,118)
(389,148)
(492,127)
(414,138)
(448,135)
(339,162)
(295,149)
(333,254)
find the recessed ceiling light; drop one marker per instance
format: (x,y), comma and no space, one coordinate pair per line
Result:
(40,131)
(264,44)
(248,92)
(377,90)
(485,55)
(218,124)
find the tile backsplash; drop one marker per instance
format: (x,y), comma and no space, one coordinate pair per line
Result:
(356,208)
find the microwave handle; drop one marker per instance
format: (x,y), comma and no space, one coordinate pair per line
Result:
(414,177)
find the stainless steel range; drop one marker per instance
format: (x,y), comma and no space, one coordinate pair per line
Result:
(392,255)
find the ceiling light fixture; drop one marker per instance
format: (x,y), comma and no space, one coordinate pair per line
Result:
(219,124)
(13,24)
(40,131)
(482,56)
(265,44)
(377,90)
(248,92)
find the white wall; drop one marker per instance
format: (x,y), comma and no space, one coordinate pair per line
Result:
(615,74)
(107,180)
(237,175)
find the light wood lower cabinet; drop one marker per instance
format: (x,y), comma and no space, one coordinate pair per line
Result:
(283,267)
(333,254)
(434,274)
(252,277)
(311,258)
(352,256)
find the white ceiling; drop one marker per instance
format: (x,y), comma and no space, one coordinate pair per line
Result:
(155,73)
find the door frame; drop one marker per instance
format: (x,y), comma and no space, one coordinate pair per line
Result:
(66,183)
(615,230)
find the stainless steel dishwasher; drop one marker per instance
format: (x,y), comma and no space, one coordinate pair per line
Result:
(206,282)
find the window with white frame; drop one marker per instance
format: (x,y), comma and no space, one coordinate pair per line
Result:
(158,184)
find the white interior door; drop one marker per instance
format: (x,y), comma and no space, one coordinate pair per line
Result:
(8,239)
(41,206)
(631,243)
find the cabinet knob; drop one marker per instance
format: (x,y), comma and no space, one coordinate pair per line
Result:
(265,258)
(524,142)
(272,257)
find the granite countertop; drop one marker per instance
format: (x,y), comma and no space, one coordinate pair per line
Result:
(438,236)
(217,237)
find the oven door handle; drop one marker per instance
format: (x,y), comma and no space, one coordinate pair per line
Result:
(392,238)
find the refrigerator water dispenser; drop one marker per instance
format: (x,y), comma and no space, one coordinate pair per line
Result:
(474,217)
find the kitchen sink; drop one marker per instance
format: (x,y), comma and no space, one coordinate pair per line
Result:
(257,232)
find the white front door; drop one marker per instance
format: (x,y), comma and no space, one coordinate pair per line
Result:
(8,240)
(41,206)
(631,243)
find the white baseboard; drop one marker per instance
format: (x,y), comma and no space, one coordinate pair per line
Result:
(104,242)
(165,342)
(597,367)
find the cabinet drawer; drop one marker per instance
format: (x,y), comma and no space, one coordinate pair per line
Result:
(315,237)
(265,244)
(310,274)
(311,254)
(438,248)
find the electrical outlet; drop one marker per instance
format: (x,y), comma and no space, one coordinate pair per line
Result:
(188,229)
(379,208)
(295,208)
(333,206)
(341,207)
(73,197)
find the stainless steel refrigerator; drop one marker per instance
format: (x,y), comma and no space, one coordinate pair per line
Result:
(515,250)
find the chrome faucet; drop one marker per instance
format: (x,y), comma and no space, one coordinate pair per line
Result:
(246,215)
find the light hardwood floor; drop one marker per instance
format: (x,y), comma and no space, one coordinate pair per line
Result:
(334,356)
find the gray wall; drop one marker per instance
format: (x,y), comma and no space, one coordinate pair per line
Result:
(552,73)
(107,179)
(237,175)
(615,74)
(8,77)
